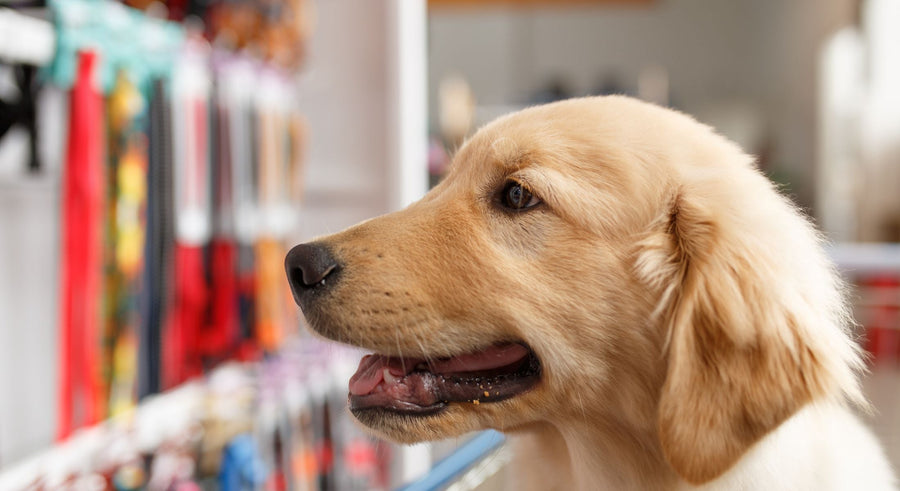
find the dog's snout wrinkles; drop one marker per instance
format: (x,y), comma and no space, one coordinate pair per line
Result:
(308,266)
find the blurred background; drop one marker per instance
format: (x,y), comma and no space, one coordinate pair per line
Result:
(157,159)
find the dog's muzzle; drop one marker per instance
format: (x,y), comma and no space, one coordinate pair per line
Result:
(311,268)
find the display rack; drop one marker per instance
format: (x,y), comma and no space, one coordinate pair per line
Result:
(304,379)
(78,24)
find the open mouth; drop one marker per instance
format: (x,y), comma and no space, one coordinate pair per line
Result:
(416,386)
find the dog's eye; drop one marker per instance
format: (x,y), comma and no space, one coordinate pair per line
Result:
(515,196)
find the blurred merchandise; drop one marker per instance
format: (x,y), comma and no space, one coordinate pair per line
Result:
(857,197)
(880,123)
(841,95)
(180,184)
(859,133)
(438,161)
(126,200)
(80,395)
(276,424)
(873,272)
(22,111)
(457,110)
(277,30)
(175,132)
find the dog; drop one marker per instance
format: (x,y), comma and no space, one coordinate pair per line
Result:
(619,289)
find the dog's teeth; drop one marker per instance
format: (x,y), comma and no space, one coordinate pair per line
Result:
(389,378)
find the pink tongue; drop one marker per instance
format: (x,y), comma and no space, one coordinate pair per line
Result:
(371,368)
(370,372)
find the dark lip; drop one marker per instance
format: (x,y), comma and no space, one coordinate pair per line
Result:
(380,417)
(371,412)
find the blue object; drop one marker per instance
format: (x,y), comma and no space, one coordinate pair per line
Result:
(454,465)
(242,468)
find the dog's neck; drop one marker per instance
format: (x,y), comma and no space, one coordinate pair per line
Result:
(584,455)
(611,456)
(613,442)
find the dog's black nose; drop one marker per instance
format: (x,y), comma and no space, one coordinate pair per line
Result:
(308,267)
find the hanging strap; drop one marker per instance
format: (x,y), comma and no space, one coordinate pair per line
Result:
(270,307)
(188,313)
(221,334)
(79,390)
(268,332)
(126,226)
(246,265)
(160,237)
(190,307)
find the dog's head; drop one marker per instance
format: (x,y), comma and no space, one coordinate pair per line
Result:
(598,257)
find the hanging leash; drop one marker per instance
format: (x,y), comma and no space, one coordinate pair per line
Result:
(79,390)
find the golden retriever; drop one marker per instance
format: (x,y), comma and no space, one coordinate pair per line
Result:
(618,286)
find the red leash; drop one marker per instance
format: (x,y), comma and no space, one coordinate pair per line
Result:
(183,355)
(81,268)
(221,334)
(188,315)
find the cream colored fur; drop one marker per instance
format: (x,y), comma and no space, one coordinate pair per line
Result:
(692,333)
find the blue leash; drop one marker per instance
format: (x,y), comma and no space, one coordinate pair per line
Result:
(454,465)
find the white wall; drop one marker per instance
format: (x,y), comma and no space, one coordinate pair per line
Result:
(760,53)
(343,95)
(28,316)
(352,94)
(29,285)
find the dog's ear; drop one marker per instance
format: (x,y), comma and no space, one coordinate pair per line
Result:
(738,360)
